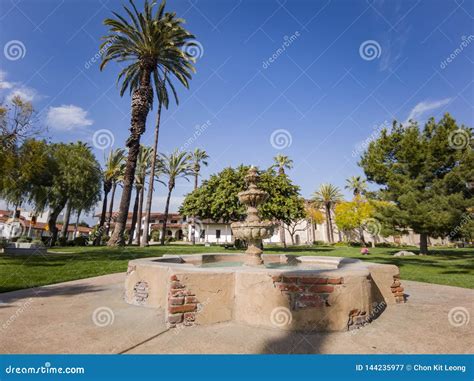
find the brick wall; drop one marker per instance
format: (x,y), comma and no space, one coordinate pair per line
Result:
(182,304)
(307,292)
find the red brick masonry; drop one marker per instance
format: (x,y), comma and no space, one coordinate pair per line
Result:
(397,290)
(182,304)
(307,292)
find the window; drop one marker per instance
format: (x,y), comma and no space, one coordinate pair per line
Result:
(174,221)
(202,234)
(218,233)
(161,221)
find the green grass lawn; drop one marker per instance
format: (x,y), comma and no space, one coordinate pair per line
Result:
(454,267)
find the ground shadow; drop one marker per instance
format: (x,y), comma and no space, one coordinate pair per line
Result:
(46,291)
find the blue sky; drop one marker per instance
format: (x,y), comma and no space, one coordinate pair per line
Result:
(313,80)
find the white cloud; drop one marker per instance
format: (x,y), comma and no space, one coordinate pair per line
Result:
(67,117)
(425,106)
(3,83)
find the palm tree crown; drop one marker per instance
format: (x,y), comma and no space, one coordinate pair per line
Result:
(282,162)
(327,195)
(357,185)
(153,43)
(174,166)
(114,165)
(198,157)
(143,166)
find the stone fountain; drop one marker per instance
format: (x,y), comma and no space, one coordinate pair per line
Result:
(288,292)
(253,230)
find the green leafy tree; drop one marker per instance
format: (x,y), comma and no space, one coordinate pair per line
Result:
(76,177)
(152,43)
(327,196)
(217,197)
(422,173)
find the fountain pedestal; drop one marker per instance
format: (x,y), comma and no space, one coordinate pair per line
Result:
(253,230)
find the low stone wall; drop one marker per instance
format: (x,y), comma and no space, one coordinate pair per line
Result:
(347,296)
(24,248)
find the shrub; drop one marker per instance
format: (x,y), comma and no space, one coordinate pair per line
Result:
(38,243)
(319,243)
(155,235)
(80,241)
(386,244)
(3,243)
(61,241)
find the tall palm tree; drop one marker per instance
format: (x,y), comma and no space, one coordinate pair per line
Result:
(356,185)
(143,168)
(282,162)
(326,197)
(117,179)
(174,166)
(113,166)
(151,42)
(197,158)
(163,100)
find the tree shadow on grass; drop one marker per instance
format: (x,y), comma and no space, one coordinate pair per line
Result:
(9,296)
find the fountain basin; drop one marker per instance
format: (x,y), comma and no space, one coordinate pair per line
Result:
(288,292)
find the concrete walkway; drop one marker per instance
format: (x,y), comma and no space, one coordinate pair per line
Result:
(89,316)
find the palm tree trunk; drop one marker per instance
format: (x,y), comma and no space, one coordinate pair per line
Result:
(328,224)
(76,226)
(67,216)
(193,225)
(111,208)
(144,240)
(98,239)
(163,232)
(134,216)
(423,243)
(139,216)
(142,98)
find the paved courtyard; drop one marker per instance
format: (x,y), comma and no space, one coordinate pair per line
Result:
(90,316)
